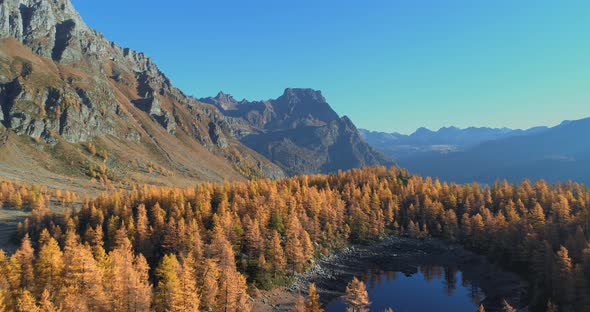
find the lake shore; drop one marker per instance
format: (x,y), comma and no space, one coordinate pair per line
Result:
(399,254)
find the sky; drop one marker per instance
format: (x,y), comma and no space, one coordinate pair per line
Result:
(390,65)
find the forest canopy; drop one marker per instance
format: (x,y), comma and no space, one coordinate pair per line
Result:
(209,247)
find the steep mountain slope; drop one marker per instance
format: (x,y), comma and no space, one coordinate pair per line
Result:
(72,91)
(299,131)
(560,153)
(445,140)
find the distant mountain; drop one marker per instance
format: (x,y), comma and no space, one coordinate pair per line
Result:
(66,87)
(299,131)
(445,140)
(560,153)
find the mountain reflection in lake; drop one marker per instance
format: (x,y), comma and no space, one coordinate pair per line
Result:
(432,288)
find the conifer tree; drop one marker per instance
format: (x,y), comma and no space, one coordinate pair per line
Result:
(188,280)
(563,278)
(26,302)
(209,287)
(48,267)
(142,228)
(127,278)
(307,245)
(45,303)
(253,239)
(23,258)
(294,251)
(537,216)
(313,300)
(82,279)
(356,297)
(168,296)
(275,254)
(232,292)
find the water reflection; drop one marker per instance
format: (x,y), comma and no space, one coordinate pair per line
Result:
(431,288)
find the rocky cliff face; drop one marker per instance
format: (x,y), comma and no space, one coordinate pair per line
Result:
(299,131)
(62,81)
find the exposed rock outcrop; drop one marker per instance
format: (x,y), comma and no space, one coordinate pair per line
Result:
(47,112)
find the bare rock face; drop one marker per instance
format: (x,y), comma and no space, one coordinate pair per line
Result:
(53,29)
(48,27)
(217,135)
(75,115)
(40,105)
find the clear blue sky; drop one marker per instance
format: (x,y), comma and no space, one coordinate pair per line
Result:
(389,65)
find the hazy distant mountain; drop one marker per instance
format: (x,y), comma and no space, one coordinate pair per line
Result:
(560,153)
(299,131)
(443,141)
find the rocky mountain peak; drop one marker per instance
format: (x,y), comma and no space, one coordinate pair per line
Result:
(48,27)
(296,103)
(300,132)
(225,101)
(303,94)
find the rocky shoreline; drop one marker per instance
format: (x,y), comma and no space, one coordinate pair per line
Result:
(399,254)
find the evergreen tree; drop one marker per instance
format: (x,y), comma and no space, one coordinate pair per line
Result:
(26,302)
(313,300)
(23,258)
(45,303)
(127,278)
(168,296)
(232,292)
(48,267)
(563,278)
(83,287)
(356,297)
(209,286)
(275,254)
(188,280)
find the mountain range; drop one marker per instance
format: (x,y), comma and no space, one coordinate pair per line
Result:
(74,105)
(485,155)
(443,141)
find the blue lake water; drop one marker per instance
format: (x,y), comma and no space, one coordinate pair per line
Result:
(432,288)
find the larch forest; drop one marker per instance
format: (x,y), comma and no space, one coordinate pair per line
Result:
(213,246)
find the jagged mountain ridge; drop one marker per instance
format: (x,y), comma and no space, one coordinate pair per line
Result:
(63,84)
(443,141)
(557,154)
(299,131)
